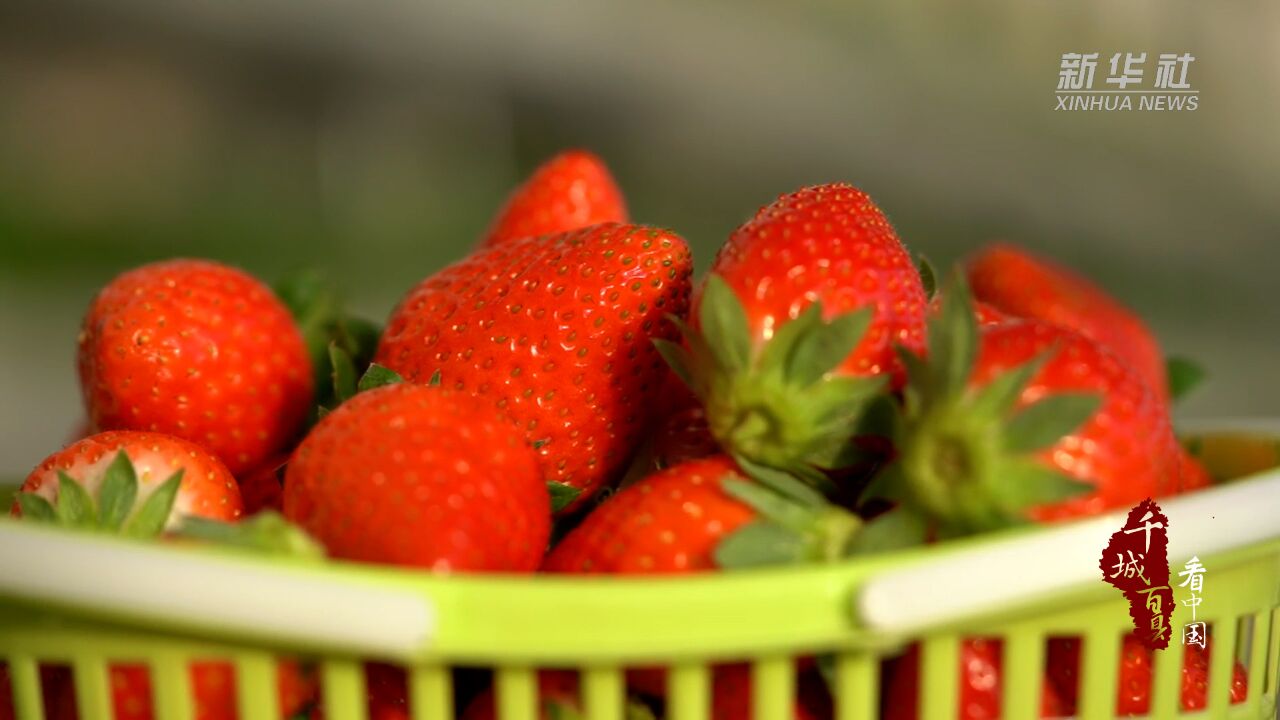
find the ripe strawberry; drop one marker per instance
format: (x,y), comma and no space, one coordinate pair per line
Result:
(683,436)
(698,516)
(555,331)
(1021,284)
(557,700)
(421,476)
(168,477)
(386,690)
(1133,693)
(1023,420)
(570,191)
(54,680)
(796,328)
(980,685)
(1194,474)
(731,695)
(213,692)
(196,350)
(263,487)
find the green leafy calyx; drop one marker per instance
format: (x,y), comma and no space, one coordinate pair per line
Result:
(780,404)
(967,456)
(115,510)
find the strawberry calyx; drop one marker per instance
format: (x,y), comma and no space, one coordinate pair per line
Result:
(776,405)
(115,510)
(796,525)
(968,457)
(267,532)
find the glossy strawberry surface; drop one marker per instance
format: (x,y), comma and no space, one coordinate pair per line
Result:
(198,350)
(556,332)
(571,190)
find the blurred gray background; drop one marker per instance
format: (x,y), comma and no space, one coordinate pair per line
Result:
(374,140)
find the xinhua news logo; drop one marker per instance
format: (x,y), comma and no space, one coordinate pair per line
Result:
(1125,85)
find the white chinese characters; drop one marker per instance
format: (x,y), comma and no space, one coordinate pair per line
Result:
(1193,633)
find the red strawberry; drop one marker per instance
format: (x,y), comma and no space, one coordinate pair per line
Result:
(54,682)
(570,191)
(980,685)
(1024,420)
(683,436)
(1194,474)
(1021,284)
(701,515)
(1133,694)
(197,350)
(731,695)
(111,469)
(557,700)
(263,488)
(555,331)
(387,693)
(422,476)
(805,303)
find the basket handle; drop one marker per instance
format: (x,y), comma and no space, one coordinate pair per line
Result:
(1030,567)
(154,584)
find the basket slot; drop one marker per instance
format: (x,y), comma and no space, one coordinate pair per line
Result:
(772,688)
(939,671)
(93,697)
(603,693)
(255,686)
(689,691)
(517,693)
(1222,660)
(344,690)
(1273,651)
(1022,670)
(1166,683)
(171,687)
(24,677)
(857,686)
(431,693)
(1257,636)
(1098,674)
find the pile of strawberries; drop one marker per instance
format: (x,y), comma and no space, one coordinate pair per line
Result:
(567,399)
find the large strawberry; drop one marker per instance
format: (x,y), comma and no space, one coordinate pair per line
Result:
(701,515)
(571,190)
(422,476)
(198,350)
(980,683)
(555,331)
(137,482)
(1134,684)
(796,325)
(1024,285)
(1021,421)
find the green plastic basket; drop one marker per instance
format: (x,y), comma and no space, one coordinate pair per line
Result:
(86,602)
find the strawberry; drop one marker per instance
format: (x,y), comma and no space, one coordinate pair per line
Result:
(263,488)
(54,681)
(570,191)
(980,685)
(731,695)
(558,699)
(137,482)
(795,328)
(422,476)
(1022,421)
(1021,284)
(1133,693)
(698,516)
(213,691)
(555,331)
(196,350)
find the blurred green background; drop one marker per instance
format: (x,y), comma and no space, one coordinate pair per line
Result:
(374,140)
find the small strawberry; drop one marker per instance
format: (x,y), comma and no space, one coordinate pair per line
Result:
(556,332)
(420,476)
(1021,284)
(263,487)
(701,515)
(796,325)
(570,191)
(1022,421)
(731,695)
(981,689)
(196,350)
(139,483)
(1133,689)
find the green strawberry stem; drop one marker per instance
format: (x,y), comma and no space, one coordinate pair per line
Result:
(789,530)
(115,510)
(967,456)
(779,404)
